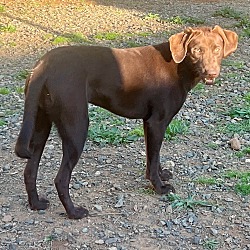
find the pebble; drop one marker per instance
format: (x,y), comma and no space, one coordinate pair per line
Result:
(99,242)
(111,241)
(196,240)
(7,218)
(235,143)
(97,173)
(85,230)
(214,231)
(98,208)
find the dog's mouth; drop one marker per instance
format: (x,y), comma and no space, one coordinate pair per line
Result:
(209,80)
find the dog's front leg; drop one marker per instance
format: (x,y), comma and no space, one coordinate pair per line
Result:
(154,133)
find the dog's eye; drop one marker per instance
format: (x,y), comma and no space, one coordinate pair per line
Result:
(197,50)
(217,49)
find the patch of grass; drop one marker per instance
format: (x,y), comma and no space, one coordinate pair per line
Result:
(2,122)
(193,20)
(143,34)
(133,44)
(206,181)
(184,203)
(77,37)
(2,8)
(151,16)
(243,23)
(243,181)
(176,20)
(147,191)
(236,64)
(106,128)
(213,145)
(19,90)
(69,38)
(22,75)
(4,91)
(176,127)
(241,123)
(239,127)
(228,12)
(110,36)
(210,244)
(60,40)
(199,87)
(7,28)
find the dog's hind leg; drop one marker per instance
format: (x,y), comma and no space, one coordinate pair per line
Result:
(72,127)
(39,138)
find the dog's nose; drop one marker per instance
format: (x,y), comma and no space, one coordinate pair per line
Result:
(212,75)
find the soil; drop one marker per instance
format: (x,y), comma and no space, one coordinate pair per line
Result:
(109,180)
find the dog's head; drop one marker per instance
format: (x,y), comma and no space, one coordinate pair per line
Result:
(205,47)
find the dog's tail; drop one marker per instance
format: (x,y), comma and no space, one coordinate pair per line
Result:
(33,89)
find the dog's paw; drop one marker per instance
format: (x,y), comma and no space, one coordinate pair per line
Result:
(166,175)
(78,213)
(41,204)
(165,189)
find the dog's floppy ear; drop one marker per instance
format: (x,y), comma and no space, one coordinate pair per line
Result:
(230,39)
(179,43)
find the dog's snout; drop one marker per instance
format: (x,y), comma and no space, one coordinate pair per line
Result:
(212,74)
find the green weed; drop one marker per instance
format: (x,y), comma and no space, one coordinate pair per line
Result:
(2,8)
(105,128)
(236,64)
(184,203)
(19,90)
(193,20)
(176,20)
(243,181)
(199,87)
(228,12)
(176,127)
(7,28)
(206,181)
(210,244)
(2,122)
(4,91)
(110,36)
(147,191)
(22,75)
(60,40)
(69,38)
(151,16)
(242,113)
(213,145)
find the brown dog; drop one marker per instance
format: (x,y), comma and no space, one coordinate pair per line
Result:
(149,83)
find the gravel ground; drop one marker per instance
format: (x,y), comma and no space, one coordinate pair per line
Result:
(124,212)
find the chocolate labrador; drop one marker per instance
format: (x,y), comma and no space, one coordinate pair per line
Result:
(149,83)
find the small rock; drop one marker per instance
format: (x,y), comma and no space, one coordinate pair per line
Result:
(85,230)
(99,242)
(111,240)
(235,143)
(6,167)
(214,231)
(120,202)
(76,186)
(97,173)
(98,208)
(58,231)
(113,248)
(7,218)
(196,240)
